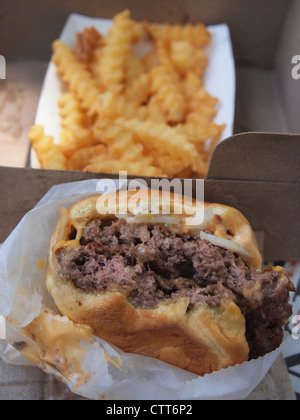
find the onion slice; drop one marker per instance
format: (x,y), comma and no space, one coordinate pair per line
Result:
(225,243)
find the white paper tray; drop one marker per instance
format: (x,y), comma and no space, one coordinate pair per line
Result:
(219,78)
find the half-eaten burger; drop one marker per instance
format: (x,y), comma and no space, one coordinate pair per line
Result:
(158,285)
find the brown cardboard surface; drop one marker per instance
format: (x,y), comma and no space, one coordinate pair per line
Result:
(258,102)
(255,40)
(257,157)
(269,209)
(288,87)
(19,96)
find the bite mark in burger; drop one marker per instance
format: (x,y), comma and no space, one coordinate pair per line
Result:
(196,299)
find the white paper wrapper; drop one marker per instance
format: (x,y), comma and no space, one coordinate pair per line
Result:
(98,369)
(219,78)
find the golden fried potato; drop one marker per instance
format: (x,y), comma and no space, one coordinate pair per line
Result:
(115,166)
(49,154)
(117,47)
(197,35)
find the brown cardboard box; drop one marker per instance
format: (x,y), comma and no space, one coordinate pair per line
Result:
(256,171)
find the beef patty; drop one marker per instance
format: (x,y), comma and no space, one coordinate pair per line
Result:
(151,263)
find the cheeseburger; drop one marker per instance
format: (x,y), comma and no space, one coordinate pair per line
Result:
(192,295)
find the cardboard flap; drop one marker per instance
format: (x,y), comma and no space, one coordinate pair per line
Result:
(269,208)
(257,157)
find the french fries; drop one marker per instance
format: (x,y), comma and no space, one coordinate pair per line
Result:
(149,115)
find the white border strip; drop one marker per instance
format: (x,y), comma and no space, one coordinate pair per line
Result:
(2,328)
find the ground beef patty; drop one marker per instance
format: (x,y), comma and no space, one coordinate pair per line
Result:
(150,263)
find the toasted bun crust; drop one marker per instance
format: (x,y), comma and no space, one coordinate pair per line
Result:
(200,340)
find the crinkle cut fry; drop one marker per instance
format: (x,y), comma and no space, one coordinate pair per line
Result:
(166,86)
(200,133)
(197,35)
(162,137)
(121,142)
(168,94)
(77,76)
(83,157)
(186,57)
(133,67)
(70,111)
(87,42)
(76,132)
(127,104)
(115,166)
(49,154)
(118,44)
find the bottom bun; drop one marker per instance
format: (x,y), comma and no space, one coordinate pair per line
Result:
(201,340)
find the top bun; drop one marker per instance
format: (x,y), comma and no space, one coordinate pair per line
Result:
(227,223)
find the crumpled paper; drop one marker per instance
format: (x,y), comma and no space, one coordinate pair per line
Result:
(98,369)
